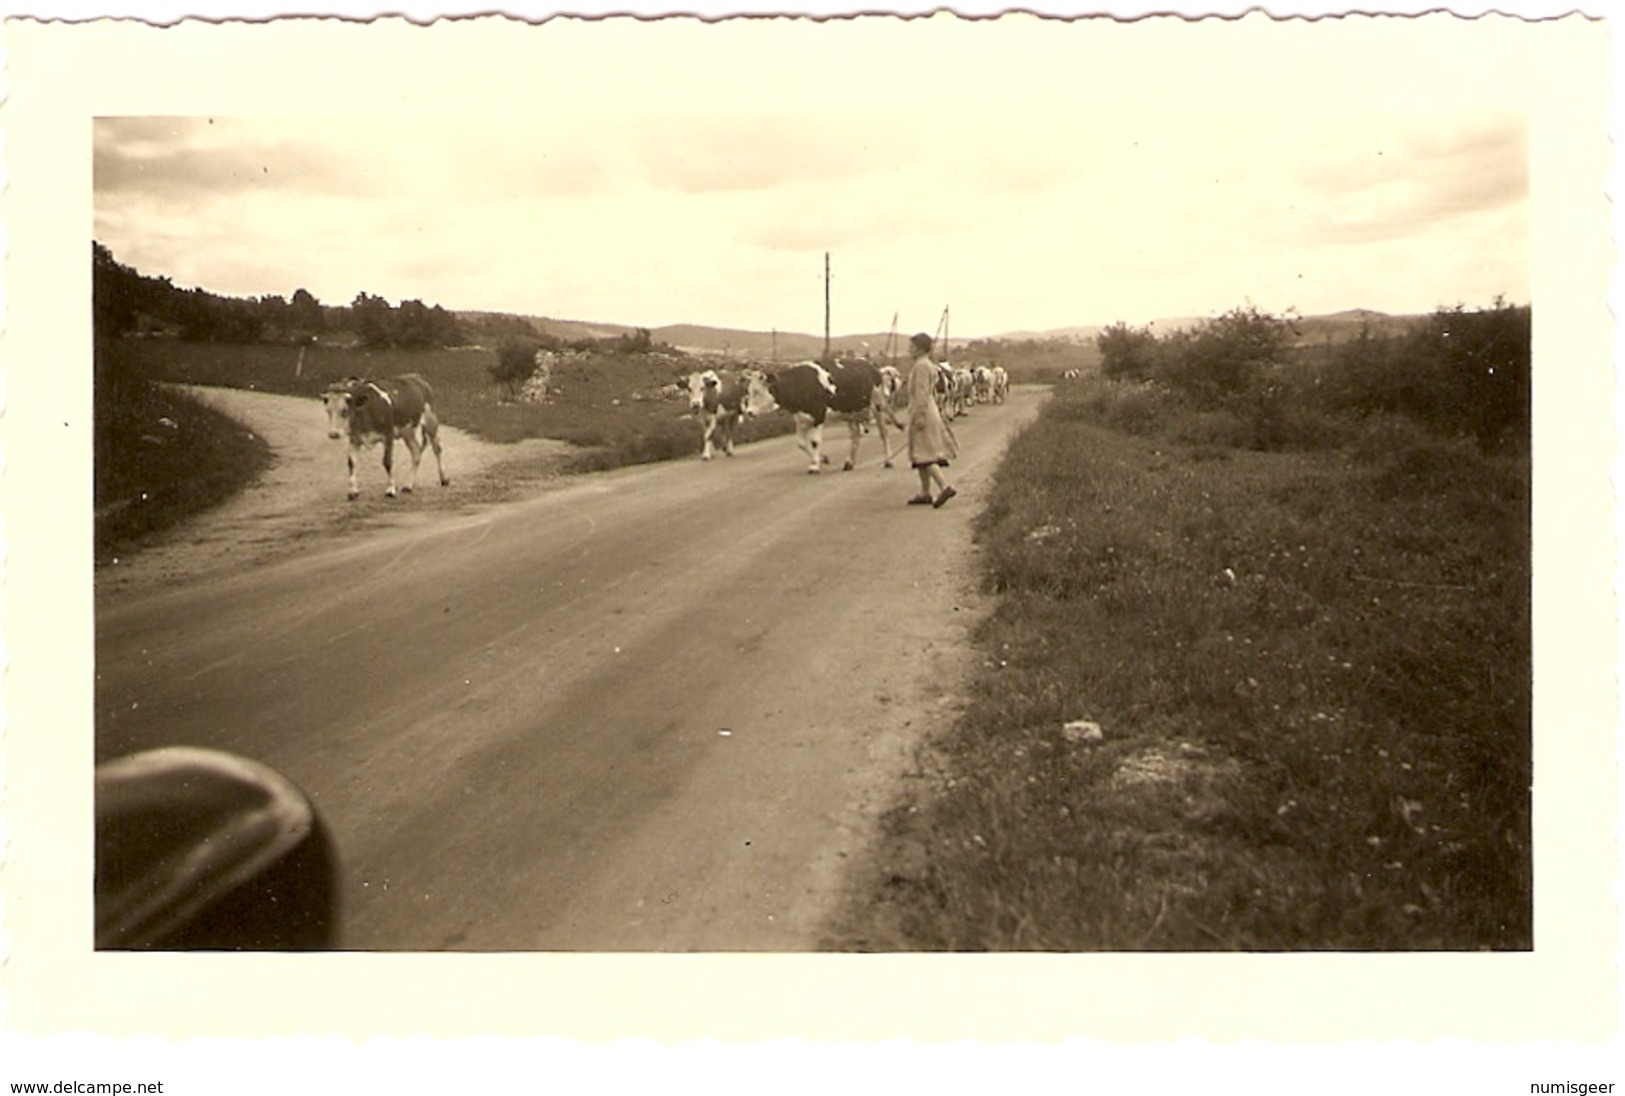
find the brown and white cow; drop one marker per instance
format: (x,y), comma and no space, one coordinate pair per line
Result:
(852,391)
(368,412)
(721,399)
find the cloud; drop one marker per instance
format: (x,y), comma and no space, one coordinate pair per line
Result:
(711,154)
(1391,183)
(1033,220)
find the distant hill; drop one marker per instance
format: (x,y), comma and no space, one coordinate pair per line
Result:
(798,345)
(1338,326)
(765,345)
(1167,325)
(1084,334)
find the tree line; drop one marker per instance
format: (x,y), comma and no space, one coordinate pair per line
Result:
(125,301)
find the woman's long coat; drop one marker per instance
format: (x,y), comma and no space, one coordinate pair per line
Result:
(929,439)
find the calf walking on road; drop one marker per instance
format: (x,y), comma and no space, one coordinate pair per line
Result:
(369,412)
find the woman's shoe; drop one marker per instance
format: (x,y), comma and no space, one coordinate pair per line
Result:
(947,493)
(920,500)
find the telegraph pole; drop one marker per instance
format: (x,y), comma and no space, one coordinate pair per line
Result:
(826,308)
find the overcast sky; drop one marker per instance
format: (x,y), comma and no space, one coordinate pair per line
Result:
(1019,221)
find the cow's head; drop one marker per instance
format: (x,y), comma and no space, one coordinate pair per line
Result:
(339,400)
(759,398)
(699,385)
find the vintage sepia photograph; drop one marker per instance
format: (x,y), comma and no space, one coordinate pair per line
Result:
(823,499)
(499,484)
(534,495)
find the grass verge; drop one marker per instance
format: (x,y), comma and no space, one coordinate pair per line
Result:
(160,457)
(1312,674)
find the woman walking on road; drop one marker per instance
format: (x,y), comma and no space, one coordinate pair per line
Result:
(931,444)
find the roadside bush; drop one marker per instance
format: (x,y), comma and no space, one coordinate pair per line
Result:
(1126,353)
(1217,364)
(1481,360)
(1458,373)
(1242,381)
(516,361)
(1283,416)
(1373,375)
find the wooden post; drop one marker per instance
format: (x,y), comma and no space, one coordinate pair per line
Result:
(826,308)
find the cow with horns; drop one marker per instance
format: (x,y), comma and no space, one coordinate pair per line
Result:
(368,412)
(854,391)
(721,399)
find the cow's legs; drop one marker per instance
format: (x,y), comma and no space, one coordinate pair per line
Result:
(728,422)
(810,436)
(414,445)
(854,426)
(350,460)
(431,431)
(710,430)
(389,465)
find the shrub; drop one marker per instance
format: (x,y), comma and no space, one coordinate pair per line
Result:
(1218,363)
(1281,417)
(1481,360)
(516,361)
(1125,352)
(1458,373)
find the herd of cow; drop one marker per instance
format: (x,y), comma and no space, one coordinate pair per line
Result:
(857,392)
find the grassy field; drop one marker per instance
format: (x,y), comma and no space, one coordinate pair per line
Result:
(1311,672)
(605,403)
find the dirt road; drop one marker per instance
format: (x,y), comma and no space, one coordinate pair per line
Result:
(655,709)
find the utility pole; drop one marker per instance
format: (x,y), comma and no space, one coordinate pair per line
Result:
(826,308)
